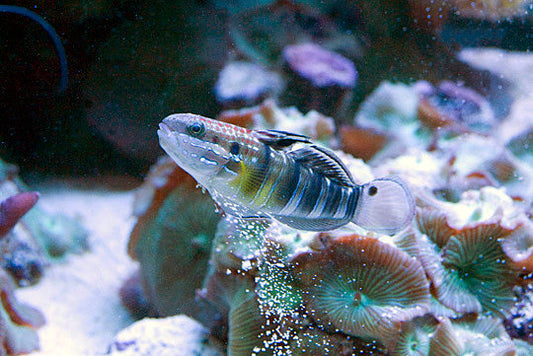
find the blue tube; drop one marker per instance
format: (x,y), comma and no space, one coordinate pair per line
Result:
(51,32)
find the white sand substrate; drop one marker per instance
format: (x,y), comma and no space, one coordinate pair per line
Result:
(79,296)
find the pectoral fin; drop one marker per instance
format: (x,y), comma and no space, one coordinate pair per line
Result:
(231,208)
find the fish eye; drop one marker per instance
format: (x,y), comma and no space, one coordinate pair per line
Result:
(196,129)
(373,190)
(235,148)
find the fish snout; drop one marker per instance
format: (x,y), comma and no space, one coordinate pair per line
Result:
(163,128)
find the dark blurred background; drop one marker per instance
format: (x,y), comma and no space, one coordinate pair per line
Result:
(131,63)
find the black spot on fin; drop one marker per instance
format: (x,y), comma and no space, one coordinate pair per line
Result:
(318,224)
(324,161)
(385,205)
(279,139)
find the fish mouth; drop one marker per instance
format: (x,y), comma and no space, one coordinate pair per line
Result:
(163,128)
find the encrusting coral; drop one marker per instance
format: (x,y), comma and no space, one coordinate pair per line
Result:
(171,274)
(17,320)
(362,287)
(469,271)
(40,237)
(442,286)
(30,240)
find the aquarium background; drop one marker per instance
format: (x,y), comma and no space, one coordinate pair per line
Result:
(130,63)
(438,92)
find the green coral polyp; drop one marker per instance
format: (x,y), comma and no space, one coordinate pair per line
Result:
(415,337)
(357,299)
(480,336)
(362,287)
(474,274)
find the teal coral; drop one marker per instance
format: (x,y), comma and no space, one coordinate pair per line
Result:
(451,273)
(362,287)
(174,250)
(469,270)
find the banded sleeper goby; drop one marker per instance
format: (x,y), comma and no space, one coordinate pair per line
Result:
(262,173)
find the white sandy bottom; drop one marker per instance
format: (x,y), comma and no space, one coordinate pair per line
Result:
(79,296)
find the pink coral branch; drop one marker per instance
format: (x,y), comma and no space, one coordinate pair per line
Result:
(13,208)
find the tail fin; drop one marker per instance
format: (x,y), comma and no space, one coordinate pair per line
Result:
(385,205)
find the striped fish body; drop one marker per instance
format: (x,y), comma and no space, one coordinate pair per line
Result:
(280,185)
(253,173)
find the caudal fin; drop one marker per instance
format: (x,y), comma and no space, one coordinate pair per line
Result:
(385,205)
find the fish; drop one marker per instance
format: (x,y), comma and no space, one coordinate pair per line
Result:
(283,176)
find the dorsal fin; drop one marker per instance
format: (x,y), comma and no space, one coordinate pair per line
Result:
(325,162)
(279,139)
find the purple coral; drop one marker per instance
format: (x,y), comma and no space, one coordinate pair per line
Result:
(13,208)
(456,106)
(321,67)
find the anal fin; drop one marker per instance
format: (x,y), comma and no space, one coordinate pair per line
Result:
(317,224)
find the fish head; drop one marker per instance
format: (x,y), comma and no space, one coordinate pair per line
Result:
(190,141)
(206,148)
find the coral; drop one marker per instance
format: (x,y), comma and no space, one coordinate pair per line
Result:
(13,208)
(388,116)
(320,67)
(134,299)
(360,142)
(491,10)
(415,338)
(326,76)
(269,115)
(513,66)
(233,296)
(519,247)
(18,321)
(356,286)
(469,271)
(523,348)
(480,336)
(23,261)
(43,234)
(262,32)
(172,239)
(454,107)
(398,117)
(20,258)
(243,83)
(519,324)
(442,286)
